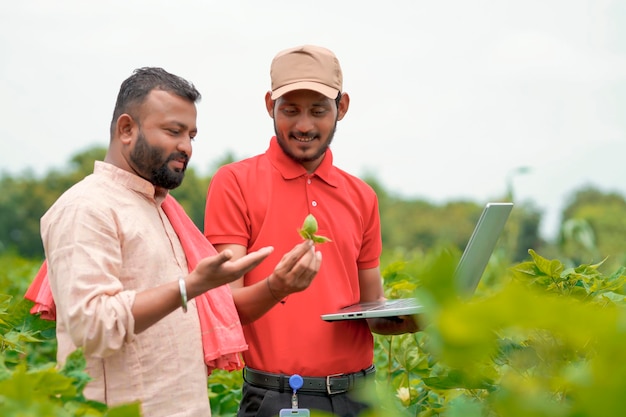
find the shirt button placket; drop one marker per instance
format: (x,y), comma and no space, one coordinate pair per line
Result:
(309,182)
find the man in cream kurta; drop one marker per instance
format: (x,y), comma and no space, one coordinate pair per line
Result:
(110,239)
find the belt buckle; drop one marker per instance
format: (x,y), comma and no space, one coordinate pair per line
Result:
(329,390)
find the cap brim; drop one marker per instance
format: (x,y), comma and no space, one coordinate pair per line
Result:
(306,85)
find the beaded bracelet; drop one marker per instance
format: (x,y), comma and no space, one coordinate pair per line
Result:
(183,294)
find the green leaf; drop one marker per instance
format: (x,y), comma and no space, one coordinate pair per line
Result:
(74,368)
(551,268)
(320,239)
(305,235)
(310,224)
(309,227)
(28,386)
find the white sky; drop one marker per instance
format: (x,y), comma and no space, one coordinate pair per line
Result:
(448,98)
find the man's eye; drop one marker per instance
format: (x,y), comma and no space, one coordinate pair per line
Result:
(174,131)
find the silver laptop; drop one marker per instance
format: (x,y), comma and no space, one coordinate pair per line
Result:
(468,272)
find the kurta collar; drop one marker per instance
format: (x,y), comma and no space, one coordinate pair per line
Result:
(130,181)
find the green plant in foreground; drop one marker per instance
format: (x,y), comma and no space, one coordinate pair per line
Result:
(548,343)
(309,228)
(47,391)
(540,340)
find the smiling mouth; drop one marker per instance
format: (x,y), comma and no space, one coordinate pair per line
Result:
(303,139)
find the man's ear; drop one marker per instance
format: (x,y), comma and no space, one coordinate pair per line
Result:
(269,104)
(344,103)
(125,128)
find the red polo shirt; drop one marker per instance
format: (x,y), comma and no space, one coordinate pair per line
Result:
(262,201)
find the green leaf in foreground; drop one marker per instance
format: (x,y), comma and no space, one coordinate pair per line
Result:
(309,227)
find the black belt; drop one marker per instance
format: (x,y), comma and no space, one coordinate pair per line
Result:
(331,384)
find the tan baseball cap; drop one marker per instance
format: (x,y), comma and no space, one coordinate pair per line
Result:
(306,67)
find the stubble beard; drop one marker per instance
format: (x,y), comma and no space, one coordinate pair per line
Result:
(282,142)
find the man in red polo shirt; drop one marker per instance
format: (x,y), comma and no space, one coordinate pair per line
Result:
(263,201)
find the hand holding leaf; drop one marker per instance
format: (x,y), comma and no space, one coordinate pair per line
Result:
(309,227)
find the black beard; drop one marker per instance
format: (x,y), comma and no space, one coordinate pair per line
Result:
(149,162)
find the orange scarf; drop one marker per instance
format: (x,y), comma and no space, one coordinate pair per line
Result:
(222,336)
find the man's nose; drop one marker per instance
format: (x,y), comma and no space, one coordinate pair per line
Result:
(185,146)
(304,123)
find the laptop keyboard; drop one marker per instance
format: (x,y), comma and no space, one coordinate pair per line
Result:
(403,302)
(400,302)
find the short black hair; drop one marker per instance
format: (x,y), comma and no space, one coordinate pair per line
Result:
(136,88)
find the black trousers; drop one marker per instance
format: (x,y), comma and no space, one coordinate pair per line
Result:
(261,402)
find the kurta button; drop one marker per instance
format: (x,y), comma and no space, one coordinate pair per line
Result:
(314,203)
(308,181)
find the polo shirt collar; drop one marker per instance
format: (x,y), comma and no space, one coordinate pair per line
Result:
(290,169)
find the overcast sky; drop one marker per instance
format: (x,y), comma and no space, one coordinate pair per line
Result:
(448,98)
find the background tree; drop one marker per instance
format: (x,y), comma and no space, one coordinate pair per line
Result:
(408,224)
(24,199)
(593,227)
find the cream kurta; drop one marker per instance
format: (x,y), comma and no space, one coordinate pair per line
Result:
(105,239)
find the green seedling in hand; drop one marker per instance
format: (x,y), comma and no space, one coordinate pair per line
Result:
(309,227)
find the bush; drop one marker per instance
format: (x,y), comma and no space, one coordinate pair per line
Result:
(537,339)
(548,342)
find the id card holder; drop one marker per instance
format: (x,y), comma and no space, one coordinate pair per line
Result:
(295,382)
(294,412)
